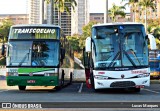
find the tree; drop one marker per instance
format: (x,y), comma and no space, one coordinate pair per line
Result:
(74,42)
(116,10)
(4,29)
(146,4)
(60,5)
(78,41)
(133,4)
(86,33)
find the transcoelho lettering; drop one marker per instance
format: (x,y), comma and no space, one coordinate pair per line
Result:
(34,30)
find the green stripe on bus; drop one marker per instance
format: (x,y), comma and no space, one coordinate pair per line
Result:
(29,70)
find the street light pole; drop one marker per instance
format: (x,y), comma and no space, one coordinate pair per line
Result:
(106,12)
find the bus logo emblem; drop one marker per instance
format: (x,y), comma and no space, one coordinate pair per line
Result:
(31,74)
(122,76)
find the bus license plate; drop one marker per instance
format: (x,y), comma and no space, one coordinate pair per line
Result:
(31,81)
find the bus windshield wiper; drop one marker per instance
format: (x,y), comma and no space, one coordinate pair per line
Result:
(24,58)
(129,58)
(116,56)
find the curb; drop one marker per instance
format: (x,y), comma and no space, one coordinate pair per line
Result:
(155,81)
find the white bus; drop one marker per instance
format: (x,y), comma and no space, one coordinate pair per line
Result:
(116,56)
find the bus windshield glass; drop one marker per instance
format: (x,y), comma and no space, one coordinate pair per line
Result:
(34,33)
(119,46)
(33,53)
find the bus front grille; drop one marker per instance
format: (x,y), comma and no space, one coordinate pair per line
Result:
(122,84)
(30,75)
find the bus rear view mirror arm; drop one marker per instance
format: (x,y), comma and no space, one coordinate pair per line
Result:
(152,41)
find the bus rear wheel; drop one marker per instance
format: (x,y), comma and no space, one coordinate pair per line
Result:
(71,78)
(22,88)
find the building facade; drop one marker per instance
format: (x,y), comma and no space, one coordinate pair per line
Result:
(15,18)
(151,14)
(99,17)
(71,23)
(35,10)
(83,15)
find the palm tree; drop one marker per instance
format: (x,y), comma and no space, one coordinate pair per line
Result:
(60,5)
(133,4)
(116,10)
(147,4)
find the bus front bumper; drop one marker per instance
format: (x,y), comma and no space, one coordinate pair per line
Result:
(32,81)
(122,83)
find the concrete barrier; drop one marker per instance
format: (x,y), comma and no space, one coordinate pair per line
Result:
(79,75)
(2,71)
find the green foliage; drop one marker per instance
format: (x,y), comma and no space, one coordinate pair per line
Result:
(4,29)
(116,10)
(74,42)
(87,29)
(153,22)
(78,41)
(60,4)
(3,61)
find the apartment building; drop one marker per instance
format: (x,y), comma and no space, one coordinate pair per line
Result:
(71,23)
(99,17)
(15,18)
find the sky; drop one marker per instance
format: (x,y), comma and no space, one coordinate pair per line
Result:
(20,6)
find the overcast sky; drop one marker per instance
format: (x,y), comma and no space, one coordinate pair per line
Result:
(20,6)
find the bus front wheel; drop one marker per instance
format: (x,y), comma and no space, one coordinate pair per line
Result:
(137,89)
(22,88)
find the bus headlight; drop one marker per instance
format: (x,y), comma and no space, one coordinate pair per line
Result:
(50,74)
(13,73)
(46,74)
(143,75)
(100,77)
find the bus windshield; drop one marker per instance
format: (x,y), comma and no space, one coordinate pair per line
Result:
(119,46)
(34,33)
(33,53)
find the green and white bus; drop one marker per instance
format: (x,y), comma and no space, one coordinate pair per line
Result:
(38,55)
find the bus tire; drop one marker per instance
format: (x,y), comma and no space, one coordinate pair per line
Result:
(137,89)
(62,78)
(92,80)
(57,88)
(22,88)
(71,78)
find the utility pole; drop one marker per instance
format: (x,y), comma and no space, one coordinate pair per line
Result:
(106,12)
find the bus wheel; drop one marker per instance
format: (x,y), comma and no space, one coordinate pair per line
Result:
(22,88)
(62,78)
(137,89)
(57,88)
(71,78)
(92,80)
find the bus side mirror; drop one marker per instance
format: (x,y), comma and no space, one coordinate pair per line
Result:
(3,50)
(88,44)
(152,41)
